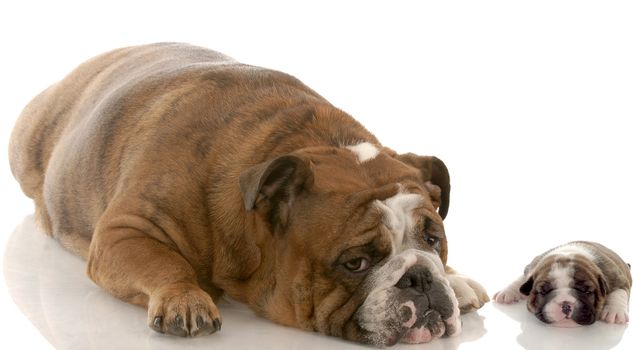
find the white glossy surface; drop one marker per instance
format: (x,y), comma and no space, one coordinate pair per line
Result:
(527,102)
(49,286)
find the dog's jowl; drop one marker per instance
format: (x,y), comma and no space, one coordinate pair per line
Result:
(180,174)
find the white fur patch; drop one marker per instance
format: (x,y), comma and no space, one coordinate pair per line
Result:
(398,217)
(387,276)
(364,151)
(561,276)
(616,308)
(511,294)
(562,282)
(573,249)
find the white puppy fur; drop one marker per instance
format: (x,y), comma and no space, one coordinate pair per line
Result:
(616,306)
(511,293)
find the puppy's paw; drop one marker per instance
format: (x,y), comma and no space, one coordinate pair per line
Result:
(616,308)
(470,294)
(508,296)
(611,314)
(183,309)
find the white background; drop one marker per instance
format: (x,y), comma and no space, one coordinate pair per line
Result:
(528,103)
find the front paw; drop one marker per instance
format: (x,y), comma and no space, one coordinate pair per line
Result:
(617,315)
(183,309)
(470,294)
(508,296)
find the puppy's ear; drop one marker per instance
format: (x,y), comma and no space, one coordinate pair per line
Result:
(603,285)
(436,178)
(272,186)
(526,288)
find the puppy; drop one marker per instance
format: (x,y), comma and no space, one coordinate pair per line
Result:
(574,284)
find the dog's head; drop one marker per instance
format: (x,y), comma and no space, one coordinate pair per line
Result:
(356,243)
(565,291)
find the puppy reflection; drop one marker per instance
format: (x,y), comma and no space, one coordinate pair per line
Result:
(574,284)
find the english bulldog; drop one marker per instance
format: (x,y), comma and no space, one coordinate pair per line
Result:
(574,284)
(180,174)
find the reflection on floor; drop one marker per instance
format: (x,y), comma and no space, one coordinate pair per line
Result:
(50,287)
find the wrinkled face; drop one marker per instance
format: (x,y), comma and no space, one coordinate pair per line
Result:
(363,254)
(565,291)
(409,299)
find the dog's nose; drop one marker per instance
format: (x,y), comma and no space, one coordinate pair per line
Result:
(417,278)
(566,308)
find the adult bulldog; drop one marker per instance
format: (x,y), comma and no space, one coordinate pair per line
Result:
(180,174)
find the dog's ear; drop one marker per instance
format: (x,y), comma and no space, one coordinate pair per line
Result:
(436,179)
(603,285)
(272,186)
(526,287)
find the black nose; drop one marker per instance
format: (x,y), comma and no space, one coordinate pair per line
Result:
(417,278)
(566,308)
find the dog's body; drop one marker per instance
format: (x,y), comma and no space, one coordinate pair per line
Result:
(574,284)
(180,174)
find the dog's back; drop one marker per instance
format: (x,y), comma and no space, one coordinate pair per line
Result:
(95,101)
(152,112)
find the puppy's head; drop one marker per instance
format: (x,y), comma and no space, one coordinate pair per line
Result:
(566,291)
(356,244)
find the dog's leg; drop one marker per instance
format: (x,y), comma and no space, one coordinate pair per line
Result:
(470,294)
(511,294)
(126,260)
(616,308)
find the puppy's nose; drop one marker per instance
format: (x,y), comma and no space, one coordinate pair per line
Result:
(566,308)
(417,278)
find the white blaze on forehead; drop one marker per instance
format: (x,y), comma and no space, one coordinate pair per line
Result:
(398,216)
(364,151)
(561,276)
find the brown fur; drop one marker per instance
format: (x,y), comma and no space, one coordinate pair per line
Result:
(586,273)
(134,163)
(604,274)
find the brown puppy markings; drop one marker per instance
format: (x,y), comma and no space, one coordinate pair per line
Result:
(572,285)
(617,273)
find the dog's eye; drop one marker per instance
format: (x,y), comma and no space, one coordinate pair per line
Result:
(545,289)
(432,241)
(584,290)
(357,265)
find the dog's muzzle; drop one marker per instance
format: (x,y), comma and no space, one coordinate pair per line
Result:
(410,301)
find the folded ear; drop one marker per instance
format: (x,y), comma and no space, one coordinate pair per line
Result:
(603,285)
(434,174)
(526,288)
(272,186)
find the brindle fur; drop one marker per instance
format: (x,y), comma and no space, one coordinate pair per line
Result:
(134,160)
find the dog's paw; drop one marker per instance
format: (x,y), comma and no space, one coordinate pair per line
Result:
(508,296)
(616,309)
(470,294)
(183,309)
(611,314)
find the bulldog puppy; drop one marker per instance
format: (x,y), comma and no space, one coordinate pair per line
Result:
(574,284)
(180,174)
